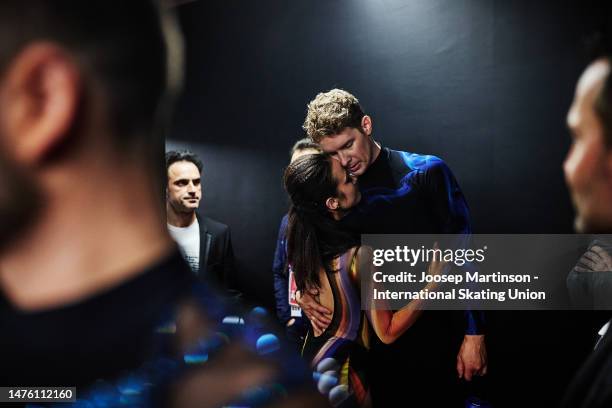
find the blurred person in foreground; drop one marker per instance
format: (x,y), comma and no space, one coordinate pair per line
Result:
(93,292)
(588,173)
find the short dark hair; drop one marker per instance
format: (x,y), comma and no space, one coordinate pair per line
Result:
(174,156)
(304,144)
(119,44)
(599,46)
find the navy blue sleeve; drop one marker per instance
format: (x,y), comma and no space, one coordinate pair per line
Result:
(449,204)
(453,213)
(281,280)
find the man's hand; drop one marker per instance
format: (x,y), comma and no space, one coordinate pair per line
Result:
(472,357)
(319,315)
(596,259)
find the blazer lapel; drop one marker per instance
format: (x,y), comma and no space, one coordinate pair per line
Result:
(205,243)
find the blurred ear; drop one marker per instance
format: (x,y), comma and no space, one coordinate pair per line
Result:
(332,203)
(366,125)
(40,97)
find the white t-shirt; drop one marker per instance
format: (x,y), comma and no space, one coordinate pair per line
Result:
(188,239)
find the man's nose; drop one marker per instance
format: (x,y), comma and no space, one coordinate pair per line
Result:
(191,188)
(344,159)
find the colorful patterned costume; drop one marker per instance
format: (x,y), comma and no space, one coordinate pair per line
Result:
(339,355)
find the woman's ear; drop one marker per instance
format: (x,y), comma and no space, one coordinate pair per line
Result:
(332,203)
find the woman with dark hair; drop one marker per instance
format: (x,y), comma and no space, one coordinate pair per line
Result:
(329,261)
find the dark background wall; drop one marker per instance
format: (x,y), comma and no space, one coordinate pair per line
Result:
(483,84)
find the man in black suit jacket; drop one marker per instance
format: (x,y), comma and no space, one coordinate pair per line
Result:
(205,243)
(588,172)
(216,252)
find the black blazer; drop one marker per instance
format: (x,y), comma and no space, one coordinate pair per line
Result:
(592,385)
(216,253)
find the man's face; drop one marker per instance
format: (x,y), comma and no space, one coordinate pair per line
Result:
(184,188)
(352,147)
(346,186)
(588,165)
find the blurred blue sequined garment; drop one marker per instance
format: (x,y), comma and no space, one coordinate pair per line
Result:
(158,339)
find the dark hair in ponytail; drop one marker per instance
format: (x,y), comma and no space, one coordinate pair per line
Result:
(314,238)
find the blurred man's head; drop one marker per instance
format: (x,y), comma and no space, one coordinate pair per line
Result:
(303,147)
(588,166)
(336,121)
(82,83)
(184,189)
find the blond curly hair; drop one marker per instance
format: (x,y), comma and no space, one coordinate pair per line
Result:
(330,112)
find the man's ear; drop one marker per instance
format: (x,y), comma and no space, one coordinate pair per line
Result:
(366,125)
(40,97)
(332,203)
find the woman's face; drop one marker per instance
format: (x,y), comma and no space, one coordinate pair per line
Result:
(346,186)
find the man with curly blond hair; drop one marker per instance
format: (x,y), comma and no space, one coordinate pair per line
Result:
(403,193)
